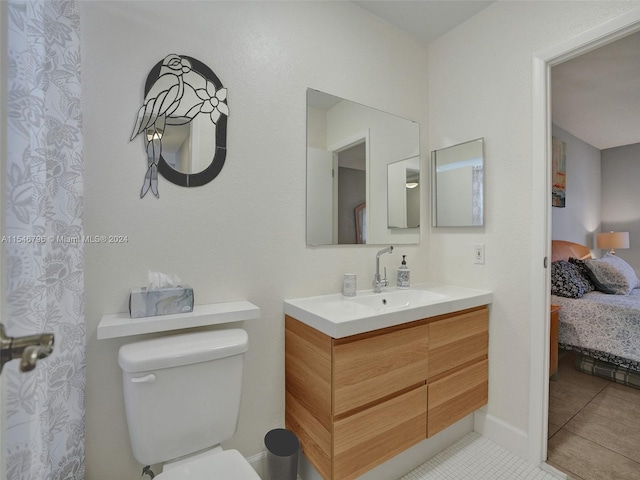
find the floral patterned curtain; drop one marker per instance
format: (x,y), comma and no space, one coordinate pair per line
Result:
(44,175)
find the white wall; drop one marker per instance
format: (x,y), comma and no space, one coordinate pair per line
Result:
(621,197)
(243,235)
(579,220)
(480,85)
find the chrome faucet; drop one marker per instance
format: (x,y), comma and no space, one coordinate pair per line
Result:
(28,349)
(378,282)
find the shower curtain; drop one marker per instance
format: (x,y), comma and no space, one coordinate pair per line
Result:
(43,240)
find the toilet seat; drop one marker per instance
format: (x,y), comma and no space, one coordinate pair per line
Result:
(226,464)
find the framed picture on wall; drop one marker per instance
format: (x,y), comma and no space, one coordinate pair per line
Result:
(558,173)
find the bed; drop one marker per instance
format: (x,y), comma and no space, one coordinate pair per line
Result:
(603,328)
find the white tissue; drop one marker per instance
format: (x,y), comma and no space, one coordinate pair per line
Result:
(159,280)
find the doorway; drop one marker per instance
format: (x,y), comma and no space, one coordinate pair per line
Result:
(541,139)
(350,191)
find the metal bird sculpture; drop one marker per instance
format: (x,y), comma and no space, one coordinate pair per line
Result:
(175,98)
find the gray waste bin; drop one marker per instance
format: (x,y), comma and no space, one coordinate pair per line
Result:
(282,454)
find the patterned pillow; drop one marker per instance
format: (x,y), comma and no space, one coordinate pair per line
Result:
(584,272)
(566,280)
(624,268)
(611,274)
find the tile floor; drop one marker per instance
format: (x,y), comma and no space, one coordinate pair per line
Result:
(594,426)
(475,457)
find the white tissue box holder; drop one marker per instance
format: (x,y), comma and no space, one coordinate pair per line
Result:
(164,301)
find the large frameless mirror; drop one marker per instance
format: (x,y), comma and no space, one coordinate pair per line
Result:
(349,150)
(458,185)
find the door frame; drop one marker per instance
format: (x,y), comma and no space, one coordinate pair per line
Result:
(599,36)
(4,62)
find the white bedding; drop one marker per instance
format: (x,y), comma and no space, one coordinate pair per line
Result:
(603,326)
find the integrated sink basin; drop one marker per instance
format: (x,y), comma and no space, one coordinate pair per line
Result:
(339,316)
(396,299)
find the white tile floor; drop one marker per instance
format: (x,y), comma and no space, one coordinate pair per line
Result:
(475,457)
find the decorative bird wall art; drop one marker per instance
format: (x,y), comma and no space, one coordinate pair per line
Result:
(178,90)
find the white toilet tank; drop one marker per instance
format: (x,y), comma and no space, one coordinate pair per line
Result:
(182,392)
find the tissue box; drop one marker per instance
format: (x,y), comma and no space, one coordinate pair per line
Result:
(164,301)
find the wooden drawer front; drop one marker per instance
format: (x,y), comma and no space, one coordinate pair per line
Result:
(315,438)
(457,395)
(370,368)
(308,368)
(308,391)
(457,340)
(372,436)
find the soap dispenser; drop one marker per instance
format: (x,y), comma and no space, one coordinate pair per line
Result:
(403,274)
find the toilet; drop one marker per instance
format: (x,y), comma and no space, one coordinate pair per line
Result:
(182,399)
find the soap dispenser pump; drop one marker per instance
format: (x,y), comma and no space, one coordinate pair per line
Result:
(403,274)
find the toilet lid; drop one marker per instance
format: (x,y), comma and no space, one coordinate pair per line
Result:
(228,464)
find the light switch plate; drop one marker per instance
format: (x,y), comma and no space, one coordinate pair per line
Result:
(478,254)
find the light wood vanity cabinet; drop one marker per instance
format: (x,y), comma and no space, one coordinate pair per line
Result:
(458,368)
(358,401)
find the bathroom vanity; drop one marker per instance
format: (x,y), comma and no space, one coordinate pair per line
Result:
(357,400)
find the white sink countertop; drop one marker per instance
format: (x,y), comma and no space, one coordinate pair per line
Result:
(339,316)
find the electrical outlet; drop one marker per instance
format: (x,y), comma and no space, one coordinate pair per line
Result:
(478,254)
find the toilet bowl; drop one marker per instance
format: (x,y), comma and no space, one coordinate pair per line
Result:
(182,400)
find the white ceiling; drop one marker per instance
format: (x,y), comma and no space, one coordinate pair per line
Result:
(425,19)
(595,97)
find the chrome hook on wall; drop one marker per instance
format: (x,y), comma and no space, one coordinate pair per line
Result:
(29,349)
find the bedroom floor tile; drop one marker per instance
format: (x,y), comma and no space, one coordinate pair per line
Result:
(599,440)
(570,475)
(567,373)
(566,399)
(562,410)
(610,404)
(553,428)
(623,392)
(610,434)
(588,460)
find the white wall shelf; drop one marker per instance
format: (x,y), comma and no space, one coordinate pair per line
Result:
(121,325)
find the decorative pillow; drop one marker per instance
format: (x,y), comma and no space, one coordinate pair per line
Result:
(611,274)
(624,268)
(584,273)
(566,280)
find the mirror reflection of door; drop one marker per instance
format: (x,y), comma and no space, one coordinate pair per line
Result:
(350,187)
(336,186)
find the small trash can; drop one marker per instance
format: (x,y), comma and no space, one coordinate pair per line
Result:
(282,454)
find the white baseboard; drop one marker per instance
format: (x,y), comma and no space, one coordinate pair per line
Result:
(503,433)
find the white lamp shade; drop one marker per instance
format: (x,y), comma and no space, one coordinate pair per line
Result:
(613,240)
